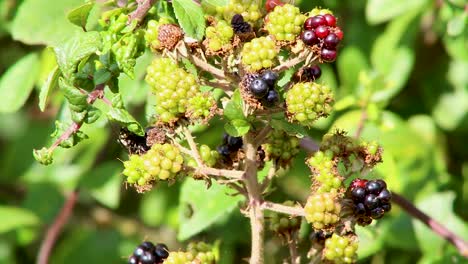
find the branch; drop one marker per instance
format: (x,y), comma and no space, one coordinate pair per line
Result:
(74,127)
(232,174)
(193,147)
(54,230)
(435,226)
(203,65)
(309,145)
(143,7)
(292,62)
(284,209)
(295,258)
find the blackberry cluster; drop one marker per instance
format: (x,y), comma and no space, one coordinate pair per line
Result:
(239,25)
(283,224)
(259,53)
(230,145)
(161,162)
(200,253)
(371,199)
(210,157)
(219,36)
(321,30)
(152,33)
(341,249)
(322,166)
(322,210)
(308,101)
(172,86)
(148,253)
(281,147)
(285,22)
(263,88)
(249,9)
(201,107)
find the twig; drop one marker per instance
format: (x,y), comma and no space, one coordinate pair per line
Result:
(74,127)
(435,226)
(143,7)
(269,177)
(292,62)
(193,147)
(295,258)
(54,230)
(231,174)
(309,144)
(262,135)
(203,65)
(257,221)
(284,209)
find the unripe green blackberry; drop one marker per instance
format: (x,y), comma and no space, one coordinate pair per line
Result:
(249,9)
(259,53)
(219,36)
(163,161)
(179,258)
(338,143)
(201,107)
(319,11)
(341,249)
(322,166)
(282,224)
(172,86)
(152,32)
(209,156)
(308,101)
(285,22)
(280,146)
(322,210)
(136,171)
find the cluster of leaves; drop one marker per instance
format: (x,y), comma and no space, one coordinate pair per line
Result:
(376,78)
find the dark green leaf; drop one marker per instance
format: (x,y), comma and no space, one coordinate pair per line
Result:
(237,127)
(234,108)
(17,83)
(123,117)
(102,76)
(191,18)
(50,84)
(76,98)
(206,205)
(92,115)
(79,15)
(293,129)
(15,217)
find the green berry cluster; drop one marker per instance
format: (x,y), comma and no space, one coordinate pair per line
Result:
(172,86)
(320,12)
(209,157)
(199,253)
(322,210)
(324,175)
(285,22)
(308,101)
(249,9)
(338,143)
(152,32)
(341,249)
(219,36)
(201,107)
(282,224)
(281,147)
(161,162)
(260,53)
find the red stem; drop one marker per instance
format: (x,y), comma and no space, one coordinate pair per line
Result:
(435,226)
(54,230)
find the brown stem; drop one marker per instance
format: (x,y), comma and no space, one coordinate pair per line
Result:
(284,209)
(292,62)
(74,127)
(295,259)
(231,174)
(257,220)
(54,230)
(435,226)
(143,7)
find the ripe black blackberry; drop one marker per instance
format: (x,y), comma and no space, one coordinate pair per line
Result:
(263,88)
(148,253)
(230,145)
(239,25)
(371,199)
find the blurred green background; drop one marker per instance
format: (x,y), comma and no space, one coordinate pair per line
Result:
(403,62)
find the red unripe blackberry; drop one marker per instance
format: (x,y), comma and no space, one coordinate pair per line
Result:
(331,41)
(271,4)
(309,37)
(259,88)
(331,19)
(339,33)
(328,55)
(358,183)
(322,31)
(314,22)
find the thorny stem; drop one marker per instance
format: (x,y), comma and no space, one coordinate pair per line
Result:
(292,62)
(257,220)
(295,259)
(284,209)
(74,127)
(435,226)
(54,230)
(143,7)
(193,147)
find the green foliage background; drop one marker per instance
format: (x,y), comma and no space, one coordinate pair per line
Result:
(404,62)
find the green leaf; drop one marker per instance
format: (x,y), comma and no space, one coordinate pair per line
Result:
(237,127)
(17,83)
(123,117)
(207,206)
(191,18)
(73,50)
(92,115)
(438,206)
(216,2)
(79,15)
(451,110)
(233,109)
(370,242)
(293,129)
(15,217)
(378,11)
(104,183)
(49,84)
(352,61)
(44,22)
(76,98)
